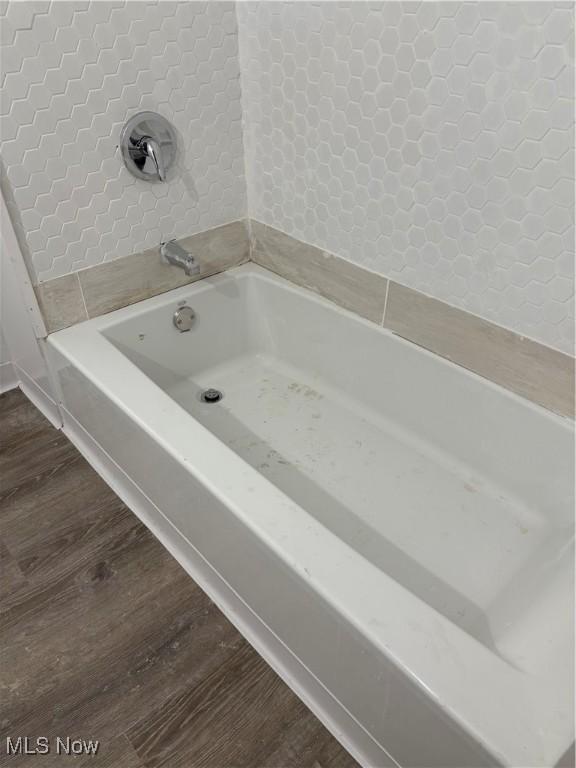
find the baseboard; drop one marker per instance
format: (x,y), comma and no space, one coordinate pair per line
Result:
(353,737)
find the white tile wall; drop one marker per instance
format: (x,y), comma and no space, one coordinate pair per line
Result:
(73,72)
(431,142)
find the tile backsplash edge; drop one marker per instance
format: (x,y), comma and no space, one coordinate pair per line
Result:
(69,299)
(522,365)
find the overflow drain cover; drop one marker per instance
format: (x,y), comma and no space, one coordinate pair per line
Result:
(211,396)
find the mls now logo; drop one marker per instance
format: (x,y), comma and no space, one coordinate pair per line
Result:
(24,745)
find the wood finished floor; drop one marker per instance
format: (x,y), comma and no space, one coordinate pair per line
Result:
(103,635)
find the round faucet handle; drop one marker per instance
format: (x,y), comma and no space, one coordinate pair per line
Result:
(148,143)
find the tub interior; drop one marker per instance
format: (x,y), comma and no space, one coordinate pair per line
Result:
(456,489)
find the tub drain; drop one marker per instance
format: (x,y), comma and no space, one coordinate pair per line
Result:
(211,396)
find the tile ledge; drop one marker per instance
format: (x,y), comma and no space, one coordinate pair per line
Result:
(541,374)
(520,336)
(391,281)
(327,254)
(152,247)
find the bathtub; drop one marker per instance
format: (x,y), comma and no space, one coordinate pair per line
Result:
(391,532)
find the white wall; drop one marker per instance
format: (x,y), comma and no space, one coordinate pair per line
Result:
(430,142)
(21,323)
(5,356)
(74,72)
(8,377)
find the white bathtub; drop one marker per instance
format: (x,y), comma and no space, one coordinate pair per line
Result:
(393,533)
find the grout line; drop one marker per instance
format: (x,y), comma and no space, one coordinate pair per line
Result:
(241,46)
(82,295)
(388,281)
(248,224)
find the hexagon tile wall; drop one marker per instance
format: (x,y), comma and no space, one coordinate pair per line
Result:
(431,142)
(73,73)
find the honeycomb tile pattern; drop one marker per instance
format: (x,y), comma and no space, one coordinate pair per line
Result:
(430,142)
(73,72)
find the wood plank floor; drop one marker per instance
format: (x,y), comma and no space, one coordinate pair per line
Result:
(103,635)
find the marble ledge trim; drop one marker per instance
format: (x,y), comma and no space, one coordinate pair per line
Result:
(330,276)
(61,302)
(532,370)
(112,285)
